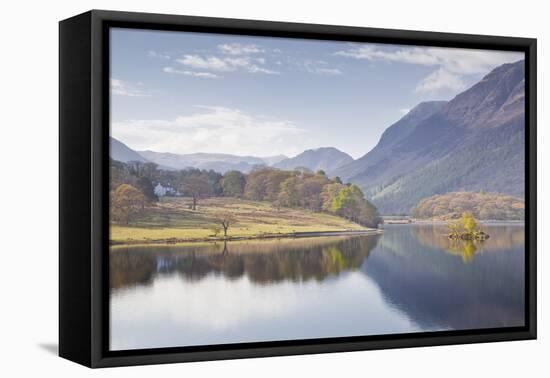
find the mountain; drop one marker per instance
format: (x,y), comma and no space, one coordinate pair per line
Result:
(123,153)
(168,161)
(325,158)
(475,142)
(272,160)
(218,162)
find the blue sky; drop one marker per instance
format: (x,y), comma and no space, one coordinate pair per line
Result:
(189,92)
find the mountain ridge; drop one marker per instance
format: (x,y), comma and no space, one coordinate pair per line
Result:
(472,142)
(121,152)
(323,158)
(218,162)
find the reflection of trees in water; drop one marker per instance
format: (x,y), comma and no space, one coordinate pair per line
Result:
(464,248)
(126,270)
(262,262)
(501,238)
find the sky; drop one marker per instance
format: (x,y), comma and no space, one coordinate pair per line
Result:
(184,92)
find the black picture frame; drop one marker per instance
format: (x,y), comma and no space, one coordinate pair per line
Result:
(83,180)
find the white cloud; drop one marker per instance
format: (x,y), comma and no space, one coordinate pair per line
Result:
(328,71)
(156,54)
(224,64)
(450,63)
(123,88)
(223,310)
(321,67)
(257,69)
(187,307)
(440,79)
(239,49)
(211,63)
(213,129)
(203,75)
(404,111)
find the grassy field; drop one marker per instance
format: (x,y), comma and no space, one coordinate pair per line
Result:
(171,218)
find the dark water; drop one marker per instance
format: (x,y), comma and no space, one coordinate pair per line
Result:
(410,279)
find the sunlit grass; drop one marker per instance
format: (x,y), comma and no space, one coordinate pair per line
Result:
(172,219)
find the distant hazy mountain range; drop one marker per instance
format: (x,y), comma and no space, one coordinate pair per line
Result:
(165,160)
(326,159)
(471,143)
(218,162)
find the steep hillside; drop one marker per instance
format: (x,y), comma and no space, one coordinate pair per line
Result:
(471,143)
(123,153)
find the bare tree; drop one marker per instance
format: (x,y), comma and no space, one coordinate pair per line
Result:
(196,187)
(225,220)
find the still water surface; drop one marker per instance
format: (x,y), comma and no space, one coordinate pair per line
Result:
(410,279)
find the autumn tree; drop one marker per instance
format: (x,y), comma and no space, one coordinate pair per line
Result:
(126,202)
(310,188)
(265,184)
(289,195)
(350,203)
(455,229)
(347,202)
(469,223)
(329,193)
(256,185)
(467,228)
(196,187)
(482,205)
(233,184)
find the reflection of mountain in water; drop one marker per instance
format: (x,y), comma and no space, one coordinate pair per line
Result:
(415,271)
(436,290)
(262,262)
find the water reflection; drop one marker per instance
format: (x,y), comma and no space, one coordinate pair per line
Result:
(503,237)
(264,263)
(410,279)
(419,273)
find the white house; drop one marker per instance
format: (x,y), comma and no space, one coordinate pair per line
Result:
(162,191)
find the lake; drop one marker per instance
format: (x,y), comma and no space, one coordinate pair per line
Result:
(410,279)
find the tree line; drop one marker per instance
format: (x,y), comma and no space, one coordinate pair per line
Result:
(313,191)
(481,205)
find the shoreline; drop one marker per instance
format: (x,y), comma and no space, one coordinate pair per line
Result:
(294,235)
(443,222)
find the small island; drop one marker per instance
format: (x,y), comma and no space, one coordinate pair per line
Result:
(466,228)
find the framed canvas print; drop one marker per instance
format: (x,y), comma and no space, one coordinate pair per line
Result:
(234,188)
